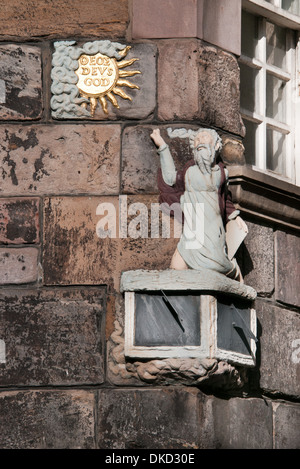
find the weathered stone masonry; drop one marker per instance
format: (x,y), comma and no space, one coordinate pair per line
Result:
(64,378)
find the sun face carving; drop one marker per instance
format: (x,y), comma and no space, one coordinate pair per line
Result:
(100,78)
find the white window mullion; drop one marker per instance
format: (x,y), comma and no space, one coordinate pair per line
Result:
(278,73)
(251,62)
(289,151)
(279,126)
(297,113)
(261,144)
(290,117)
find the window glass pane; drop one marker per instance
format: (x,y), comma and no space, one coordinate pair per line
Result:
(276,102)
(292,6)
(276,45)
(249,141)
(276,151)
(248,76)
(249,34)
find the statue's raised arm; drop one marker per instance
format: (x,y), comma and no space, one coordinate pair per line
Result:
(166,161)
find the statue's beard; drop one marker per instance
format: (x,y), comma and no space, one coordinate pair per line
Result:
(204,159)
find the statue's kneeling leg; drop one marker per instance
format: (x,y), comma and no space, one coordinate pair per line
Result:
(178,262)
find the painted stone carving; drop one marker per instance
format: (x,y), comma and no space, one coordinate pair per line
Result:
(193,322)
(83,76)
(201,187)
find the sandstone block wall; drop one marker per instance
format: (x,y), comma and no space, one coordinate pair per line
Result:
(62,380)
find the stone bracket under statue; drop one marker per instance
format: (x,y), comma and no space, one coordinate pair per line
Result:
(188,314)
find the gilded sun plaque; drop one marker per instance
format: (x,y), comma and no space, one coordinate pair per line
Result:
(101,77)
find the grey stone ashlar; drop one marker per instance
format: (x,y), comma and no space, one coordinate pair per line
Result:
(20,82)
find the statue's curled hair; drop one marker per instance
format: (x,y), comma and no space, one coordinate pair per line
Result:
(191,134)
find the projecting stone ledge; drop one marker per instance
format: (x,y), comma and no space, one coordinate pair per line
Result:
(184,280)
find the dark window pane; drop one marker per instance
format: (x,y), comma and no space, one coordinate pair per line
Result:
(276,45)
(276,151)
(249,34)
(293,6)
(175,322)
(248,77)
(276,98)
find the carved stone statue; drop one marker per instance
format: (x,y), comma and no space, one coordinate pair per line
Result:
(202,188)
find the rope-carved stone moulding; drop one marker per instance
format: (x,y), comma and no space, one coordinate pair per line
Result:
(200,372)
(84,75)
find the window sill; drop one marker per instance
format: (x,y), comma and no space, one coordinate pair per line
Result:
(263,196)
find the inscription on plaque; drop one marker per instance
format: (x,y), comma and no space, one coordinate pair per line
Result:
(98,74)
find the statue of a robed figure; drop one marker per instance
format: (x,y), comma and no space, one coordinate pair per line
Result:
(201,187)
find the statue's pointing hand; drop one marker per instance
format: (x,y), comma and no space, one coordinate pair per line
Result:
(157,138)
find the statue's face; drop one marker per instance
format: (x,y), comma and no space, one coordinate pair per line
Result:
(204,150)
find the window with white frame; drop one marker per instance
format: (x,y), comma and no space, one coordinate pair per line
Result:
(293,6)
(269,88)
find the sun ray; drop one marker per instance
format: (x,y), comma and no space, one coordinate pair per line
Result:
(121,93)
(124,52)
(113,100)
(93,102)
(103,104)
(126,63)
(127,73)
(127,83)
